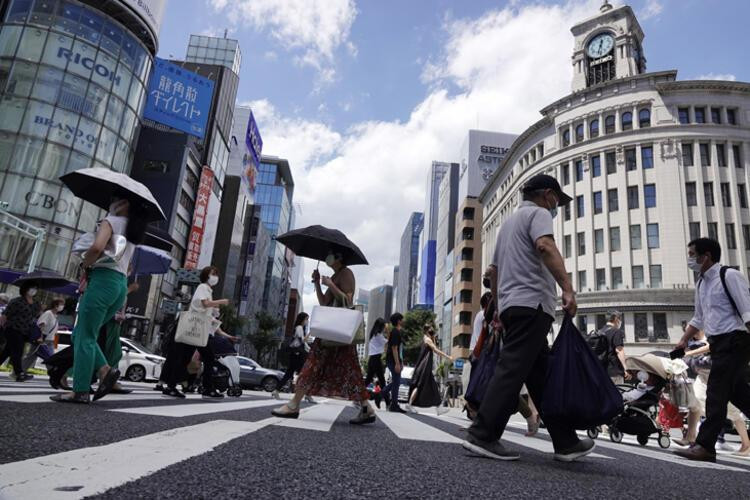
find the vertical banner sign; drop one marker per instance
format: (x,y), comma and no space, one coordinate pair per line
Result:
(178,98)
(199,219)
(251,159)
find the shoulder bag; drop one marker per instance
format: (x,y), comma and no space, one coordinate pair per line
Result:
(335,326)
(193,328)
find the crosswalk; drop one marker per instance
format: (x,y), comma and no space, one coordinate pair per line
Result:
(68,474)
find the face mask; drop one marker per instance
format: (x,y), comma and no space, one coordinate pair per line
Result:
(553,211)
(213,279)
(330,260)
(32,292)
(60,308)
(693,264)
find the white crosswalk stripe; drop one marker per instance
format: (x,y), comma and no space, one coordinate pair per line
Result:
(406,427)
(203,408)
(317,418)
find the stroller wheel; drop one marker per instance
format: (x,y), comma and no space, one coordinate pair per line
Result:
(664,441)
(593,432)
(642,439)
(615,435)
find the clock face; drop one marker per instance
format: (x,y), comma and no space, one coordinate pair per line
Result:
(600,45)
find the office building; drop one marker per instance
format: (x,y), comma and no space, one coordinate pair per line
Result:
(445,239)
(651,162)
(255,251)
(408,266)
(215,51)
(380,304)
(395,283)
(229,237)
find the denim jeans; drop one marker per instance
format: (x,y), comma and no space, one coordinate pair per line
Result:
(395,383)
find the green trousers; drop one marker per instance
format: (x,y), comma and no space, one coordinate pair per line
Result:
(104,296)
(111,347)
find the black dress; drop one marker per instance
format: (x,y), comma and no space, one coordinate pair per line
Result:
(424,381)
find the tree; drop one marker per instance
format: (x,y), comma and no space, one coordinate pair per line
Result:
(412,331)
(230,321)
(263,339)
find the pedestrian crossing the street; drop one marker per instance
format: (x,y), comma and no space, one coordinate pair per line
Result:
(68,474)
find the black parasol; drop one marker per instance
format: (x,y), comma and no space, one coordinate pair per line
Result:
(315,242)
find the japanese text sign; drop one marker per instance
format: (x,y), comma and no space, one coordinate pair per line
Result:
(195,238)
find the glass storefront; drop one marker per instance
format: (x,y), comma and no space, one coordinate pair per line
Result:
(72,90)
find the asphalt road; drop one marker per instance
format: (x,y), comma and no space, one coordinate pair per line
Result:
(144,446)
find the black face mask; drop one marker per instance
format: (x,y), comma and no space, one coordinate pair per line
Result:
(487,282)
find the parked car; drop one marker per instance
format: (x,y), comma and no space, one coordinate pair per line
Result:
(138,363)
(403,389)
(253,375)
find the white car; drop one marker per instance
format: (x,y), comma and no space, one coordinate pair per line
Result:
(139,364)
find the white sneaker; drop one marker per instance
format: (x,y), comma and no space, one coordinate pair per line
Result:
(275,395)
(725,447)
(409,408)
(309,399)
(441,410)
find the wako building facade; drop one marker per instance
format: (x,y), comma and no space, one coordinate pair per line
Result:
(73,79)
(650,162)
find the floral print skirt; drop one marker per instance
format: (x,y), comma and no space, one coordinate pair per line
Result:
(332,371)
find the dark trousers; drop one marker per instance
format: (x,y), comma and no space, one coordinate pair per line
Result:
(179,356)
(523,359)
(395,383)
(296,362)
(730,354)
(375,369)
(65,359)
(14,342)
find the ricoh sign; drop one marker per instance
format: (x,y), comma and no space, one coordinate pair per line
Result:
(88,63)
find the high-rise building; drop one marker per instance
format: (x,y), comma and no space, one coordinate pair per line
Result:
(408,266)
(380,304)
(73,79)
(255,251)
(395,283)
(651,162)
(229,237)
(225,52)
(445,241)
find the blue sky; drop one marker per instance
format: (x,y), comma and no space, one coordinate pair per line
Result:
(361,96)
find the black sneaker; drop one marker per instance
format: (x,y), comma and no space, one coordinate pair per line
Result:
(493,450)
(213,396)
(396,409)
(387,399)
(172,393)
(579,450)
(160,387)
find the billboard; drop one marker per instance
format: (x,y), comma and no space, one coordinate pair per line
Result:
(151,12)
(251,158)
(195,239)
(178,98)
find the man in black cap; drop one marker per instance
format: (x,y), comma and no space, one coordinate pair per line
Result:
(528,264)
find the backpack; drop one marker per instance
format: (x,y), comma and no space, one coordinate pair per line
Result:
(599,343)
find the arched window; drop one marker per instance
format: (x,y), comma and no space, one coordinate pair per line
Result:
(566,138)
(594,128)
(609,124)
(579,133)
(627,120)
(644,118)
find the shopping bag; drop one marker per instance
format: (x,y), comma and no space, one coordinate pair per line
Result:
(578,392)
(193,328)
(483,370)
(335,324)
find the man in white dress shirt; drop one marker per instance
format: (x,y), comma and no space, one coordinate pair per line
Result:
(722,311)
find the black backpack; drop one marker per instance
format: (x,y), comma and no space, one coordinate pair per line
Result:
(599,343)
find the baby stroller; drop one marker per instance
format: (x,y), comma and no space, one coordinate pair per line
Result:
(641,414)
(226,373)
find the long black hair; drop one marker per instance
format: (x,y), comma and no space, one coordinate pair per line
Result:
(301,317)
(135,231)
(377,327)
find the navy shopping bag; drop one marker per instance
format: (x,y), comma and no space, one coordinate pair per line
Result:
(483,370)
(579,391)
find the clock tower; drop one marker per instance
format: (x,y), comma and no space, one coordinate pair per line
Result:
(607,46)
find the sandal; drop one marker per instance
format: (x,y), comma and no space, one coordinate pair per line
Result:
(289,413)
(107,383)
(81,398)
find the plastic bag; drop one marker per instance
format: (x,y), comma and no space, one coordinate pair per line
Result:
(579,392)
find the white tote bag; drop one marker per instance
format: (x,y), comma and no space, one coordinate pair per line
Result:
(335,324)
(193,328)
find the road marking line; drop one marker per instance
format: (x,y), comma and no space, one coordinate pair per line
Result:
(317,418)
(41,398)
(405,427)
(189,410)
(90,471)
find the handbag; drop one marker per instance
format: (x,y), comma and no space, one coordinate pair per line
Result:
(335,324)
(114,250)
(193,328)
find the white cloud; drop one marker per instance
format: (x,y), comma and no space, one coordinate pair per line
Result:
(508,64)
(718,76)
(270,55)
(652,9)
(314,29)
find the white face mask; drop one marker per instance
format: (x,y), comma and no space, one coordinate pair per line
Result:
(59,308)
(693,264)
(330,260)
(32,292)
(213,279)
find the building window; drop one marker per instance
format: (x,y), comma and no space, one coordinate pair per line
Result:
(691,196)
(644,118)
(635,237)
(726,198)
(186,202)
(579,170)
(746,236)
(647,156)
(630,162)
(649,195)
(598,208)
(660,327)
(598,240)
(640,321)
(627,120)
(655,272)
(684,114)
(700,115)
(610,158)
(566,138)
(612,201)
(579,133)
(596,166)
(721,156)
(713,231)
(632,197)
(609,124)
(736,153)
(594,128)
(579,206)
(731,237)
(694,228)
(581,238)
(582,323)
(652,235)
(581,280)
(567,246)
(638,281)
(614,239)
(601,279)
(566,212)
(705,154)
(601,321)
(565,169)
(716,115)
(731,117)
(617,278)
(708,193)
(687,154)
(742,195)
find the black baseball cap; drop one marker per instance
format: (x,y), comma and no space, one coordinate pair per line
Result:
(542,181)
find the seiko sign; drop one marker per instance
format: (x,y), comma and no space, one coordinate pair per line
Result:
(491,154)
(88,63)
